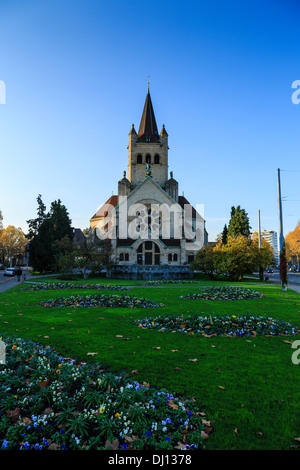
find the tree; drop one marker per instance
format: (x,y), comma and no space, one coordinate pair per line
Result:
(264,256)
(93,253)
(12,243)
(224,234)
(35,224)
(44,231)
(239,223)
(1,220)
(293,246)
(205,261)
(283,268)
(64,255)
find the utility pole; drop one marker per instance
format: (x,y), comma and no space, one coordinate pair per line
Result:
(261,269)
(259,231)
(282,265)
(281,239)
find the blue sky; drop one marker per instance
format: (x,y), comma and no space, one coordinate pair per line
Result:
(220,80)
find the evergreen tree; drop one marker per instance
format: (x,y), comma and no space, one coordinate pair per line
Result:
(239,223)
(34,224)
(44,231)
(224,234)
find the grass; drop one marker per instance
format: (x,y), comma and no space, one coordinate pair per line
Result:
(248,386)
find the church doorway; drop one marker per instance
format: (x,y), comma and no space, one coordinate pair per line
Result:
(148,253)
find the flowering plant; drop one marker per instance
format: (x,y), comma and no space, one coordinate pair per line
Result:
(101,300)
(84,408)
(214,325)
(223,293)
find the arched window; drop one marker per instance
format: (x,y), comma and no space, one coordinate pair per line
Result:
(156,159)
(170,257)
(139,158)
(148,253)
(121,257)
(175,257)
(148,158)
(126,257)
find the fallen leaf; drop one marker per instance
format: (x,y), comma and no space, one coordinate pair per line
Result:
(174,350)
(134,372)
(220,386)
(91,353)
(176,368)
(172,405)
(157,347)
(204,435)
(287,342)
(297,439)
(114,444)
(236,431)
(194,360)
(180,445)
(119,336)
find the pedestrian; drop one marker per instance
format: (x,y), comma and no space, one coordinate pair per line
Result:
(19,273)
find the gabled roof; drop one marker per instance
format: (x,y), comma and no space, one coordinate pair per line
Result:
(106,208)
(148,128)
(182,201)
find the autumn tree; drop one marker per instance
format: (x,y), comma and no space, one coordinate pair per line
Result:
(205,261)
(12,243)
(293,246)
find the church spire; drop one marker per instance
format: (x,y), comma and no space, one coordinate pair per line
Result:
(148,128)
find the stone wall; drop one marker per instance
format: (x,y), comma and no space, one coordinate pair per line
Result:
(138,272)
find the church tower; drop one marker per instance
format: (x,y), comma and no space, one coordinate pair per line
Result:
(147,147)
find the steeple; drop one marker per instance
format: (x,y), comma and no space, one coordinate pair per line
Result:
(148,128)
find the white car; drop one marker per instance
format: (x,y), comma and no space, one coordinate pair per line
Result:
(10,272)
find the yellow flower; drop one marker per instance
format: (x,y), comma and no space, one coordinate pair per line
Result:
(58,371)
(117,415)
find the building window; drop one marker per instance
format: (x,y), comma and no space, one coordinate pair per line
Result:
(156,159)
(148,158)
(170,257)
(139,158)
(148,253)
(121,257)
(175,257)
(126,257)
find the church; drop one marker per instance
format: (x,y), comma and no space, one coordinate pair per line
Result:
(154,232)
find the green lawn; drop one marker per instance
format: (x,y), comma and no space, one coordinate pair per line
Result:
(248,386)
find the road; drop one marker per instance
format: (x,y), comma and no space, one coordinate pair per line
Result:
(8,282)
(293,279)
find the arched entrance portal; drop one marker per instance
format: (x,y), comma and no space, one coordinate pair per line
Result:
(148,253)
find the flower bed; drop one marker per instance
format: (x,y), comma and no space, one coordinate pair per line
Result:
(223,293)
(72,285)
(100,300)
(225,325)
(51,403)
(169,281)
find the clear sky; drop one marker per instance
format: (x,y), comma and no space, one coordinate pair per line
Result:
(221,77)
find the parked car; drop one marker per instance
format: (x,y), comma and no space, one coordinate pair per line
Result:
(10,272)
(270,270)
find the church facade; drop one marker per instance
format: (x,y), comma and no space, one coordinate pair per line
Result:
(154,232)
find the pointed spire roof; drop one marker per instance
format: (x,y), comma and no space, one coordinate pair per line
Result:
(148,128)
